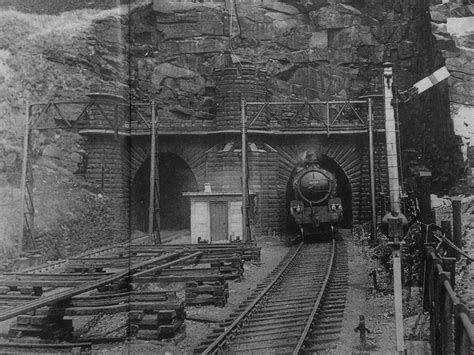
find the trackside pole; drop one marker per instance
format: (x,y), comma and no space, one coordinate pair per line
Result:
(24,166)
(391,141)
(370,121)
(151,207)
(395,225)
(395,233)
(245,236)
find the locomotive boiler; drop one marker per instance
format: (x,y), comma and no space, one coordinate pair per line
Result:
(316,209)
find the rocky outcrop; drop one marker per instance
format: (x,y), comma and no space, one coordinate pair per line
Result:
(453,28)
(10,160)
(104,51)
(316,49)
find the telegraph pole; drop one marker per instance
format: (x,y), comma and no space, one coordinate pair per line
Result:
(24,172)
(370,119)
(244,173)
(151,206)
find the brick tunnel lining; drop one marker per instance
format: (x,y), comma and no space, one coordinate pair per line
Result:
(175,177)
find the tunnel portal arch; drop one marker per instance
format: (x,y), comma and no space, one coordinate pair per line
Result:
(343,191)
(174,177)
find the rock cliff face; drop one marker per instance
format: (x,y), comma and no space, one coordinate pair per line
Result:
(40,59)
(46,57)
(453,28)
(315,49)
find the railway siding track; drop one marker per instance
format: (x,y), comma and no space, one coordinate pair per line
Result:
(110,280)
(280,314)
(88,286)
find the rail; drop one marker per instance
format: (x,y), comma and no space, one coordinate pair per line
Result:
(307,328)
(134,270)
(231,328)
(223,340)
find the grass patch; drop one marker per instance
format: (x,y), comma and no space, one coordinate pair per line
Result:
(27,74)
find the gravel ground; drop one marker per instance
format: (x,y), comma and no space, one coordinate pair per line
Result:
(273,251)
(361,300)
(377,308)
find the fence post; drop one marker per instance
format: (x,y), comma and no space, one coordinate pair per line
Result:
(449,263)
(446,227)
(428,292)
(429,249)
(445,317)
(461,339)
(435,290)
(457,223)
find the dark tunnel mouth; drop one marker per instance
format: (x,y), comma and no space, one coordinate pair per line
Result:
(343,191)
(175,177)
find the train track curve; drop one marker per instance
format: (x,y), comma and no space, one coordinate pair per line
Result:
(280,319)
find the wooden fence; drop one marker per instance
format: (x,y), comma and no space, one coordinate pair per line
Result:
(451,329)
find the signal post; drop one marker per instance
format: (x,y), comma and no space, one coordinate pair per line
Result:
(394,220)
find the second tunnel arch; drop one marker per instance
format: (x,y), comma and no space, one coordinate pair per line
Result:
(174,178)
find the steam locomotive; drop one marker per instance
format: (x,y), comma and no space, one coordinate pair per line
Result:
(315,209)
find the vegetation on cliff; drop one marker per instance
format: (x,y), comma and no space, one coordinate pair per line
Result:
(39,61)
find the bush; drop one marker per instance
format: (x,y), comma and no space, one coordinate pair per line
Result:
(99,222)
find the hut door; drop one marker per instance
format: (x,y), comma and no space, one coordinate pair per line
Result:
(219,220)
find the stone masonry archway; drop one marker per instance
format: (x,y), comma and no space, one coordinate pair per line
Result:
(175,177)
(343,191)
(191,150)
(344,159)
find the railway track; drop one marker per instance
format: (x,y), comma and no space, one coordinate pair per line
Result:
(45,349)
(110,280)
(282,315)
(324,334)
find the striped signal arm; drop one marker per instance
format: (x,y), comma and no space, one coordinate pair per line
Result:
(423,85)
